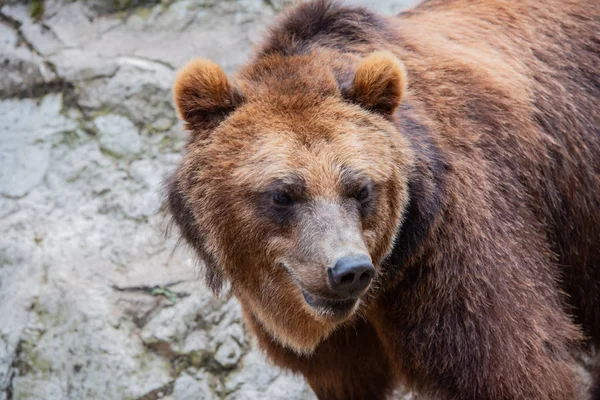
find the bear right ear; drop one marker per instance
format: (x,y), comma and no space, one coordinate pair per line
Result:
(203,95)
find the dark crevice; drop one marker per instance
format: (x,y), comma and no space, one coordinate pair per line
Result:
(13,371)
(43,88)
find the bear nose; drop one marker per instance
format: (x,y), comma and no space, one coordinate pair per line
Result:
(350,275)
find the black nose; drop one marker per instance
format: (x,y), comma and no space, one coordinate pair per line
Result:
(350,275)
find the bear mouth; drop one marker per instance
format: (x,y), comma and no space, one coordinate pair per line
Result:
(335,309)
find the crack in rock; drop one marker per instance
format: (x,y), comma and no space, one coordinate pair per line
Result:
(16,25)
(13,370)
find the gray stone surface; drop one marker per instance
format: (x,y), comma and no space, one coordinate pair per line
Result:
(26,131)
(191,386)
(94,302)
(117,135)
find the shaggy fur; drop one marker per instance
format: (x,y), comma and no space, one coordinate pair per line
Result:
(458,145)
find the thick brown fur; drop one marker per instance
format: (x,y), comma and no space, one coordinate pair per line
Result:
(458,145)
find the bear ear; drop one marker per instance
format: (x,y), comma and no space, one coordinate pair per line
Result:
(379,83)
(203,95)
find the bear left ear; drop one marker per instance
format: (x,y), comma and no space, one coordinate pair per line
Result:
(379,83)
(203,95)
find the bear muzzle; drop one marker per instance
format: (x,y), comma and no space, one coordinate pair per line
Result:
(347,280)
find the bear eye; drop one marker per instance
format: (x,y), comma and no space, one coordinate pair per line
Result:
(282,199)
(363,194)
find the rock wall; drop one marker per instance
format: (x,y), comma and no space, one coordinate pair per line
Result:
(95,303)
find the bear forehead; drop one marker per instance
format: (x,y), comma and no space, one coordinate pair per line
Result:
(319,153)
(300,120)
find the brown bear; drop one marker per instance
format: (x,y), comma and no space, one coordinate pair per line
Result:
(406,201)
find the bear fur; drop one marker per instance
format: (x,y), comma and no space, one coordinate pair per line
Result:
(457,144)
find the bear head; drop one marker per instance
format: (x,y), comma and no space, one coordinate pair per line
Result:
(293,184)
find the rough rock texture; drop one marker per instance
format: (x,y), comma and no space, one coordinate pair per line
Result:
(94,302)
